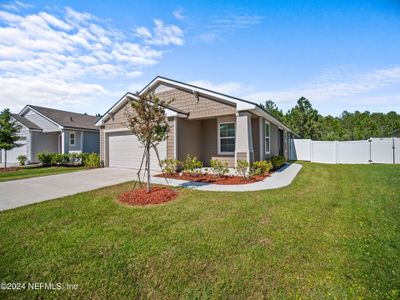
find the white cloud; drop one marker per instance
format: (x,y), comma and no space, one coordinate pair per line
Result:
(161,34)
(58,58)
(178,14)
(225,24)
(334,85)
(229,88)
(16,5)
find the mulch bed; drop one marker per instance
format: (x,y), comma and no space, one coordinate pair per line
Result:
(140,197)
(9,169)
(209,178)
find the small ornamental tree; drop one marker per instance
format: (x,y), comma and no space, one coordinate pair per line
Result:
(148,122)
(9,130)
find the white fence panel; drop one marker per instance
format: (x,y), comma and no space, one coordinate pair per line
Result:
(382,150)
(353,152)
(397,150)
(300,149)
(323,152)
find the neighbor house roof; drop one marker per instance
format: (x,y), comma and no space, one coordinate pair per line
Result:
(66,119)
(24,121)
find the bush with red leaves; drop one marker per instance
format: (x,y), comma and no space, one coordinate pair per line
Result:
(141,197)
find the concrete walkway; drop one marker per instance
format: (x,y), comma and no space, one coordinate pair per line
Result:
(280,178)
(21,192)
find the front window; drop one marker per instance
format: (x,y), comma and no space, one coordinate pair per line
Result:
(227,138)
(72,139)
(267,137)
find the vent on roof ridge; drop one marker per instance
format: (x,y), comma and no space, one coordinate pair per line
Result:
(71,119)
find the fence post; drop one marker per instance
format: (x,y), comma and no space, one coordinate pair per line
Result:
(394,151)
(370,151)
(336,152)
(311,151)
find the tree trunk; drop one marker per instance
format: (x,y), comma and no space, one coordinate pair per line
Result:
(148,169)
(5,159)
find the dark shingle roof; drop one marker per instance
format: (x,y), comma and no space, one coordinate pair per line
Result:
(24,121)
(67,118)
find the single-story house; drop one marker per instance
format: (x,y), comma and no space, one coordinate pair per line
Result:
(53,130)
(204,123)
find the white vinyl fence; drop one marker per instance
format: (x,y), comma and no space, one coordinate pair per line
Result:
(374,150)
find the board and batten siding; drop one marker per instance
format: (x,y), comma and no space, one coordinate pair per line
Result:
(42,122)
(171,139)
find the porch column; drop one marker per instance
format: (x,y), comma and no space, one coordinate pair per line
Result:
(176,137)
(244,139)
(81,141)
(63,142)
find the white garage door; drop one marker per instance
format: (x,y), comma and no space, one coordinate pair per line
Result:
(14,153)
(125,151)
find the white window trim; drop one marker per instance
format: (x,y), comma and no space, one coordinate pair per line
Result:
(69,136)
(269,138)
(219,139)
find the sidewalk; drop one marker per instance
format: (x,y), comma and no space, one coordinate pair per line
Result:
(280,178)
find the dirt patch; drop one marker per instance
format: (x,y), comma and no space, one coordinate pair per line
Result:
(209,178)
(267,242)
(141,197)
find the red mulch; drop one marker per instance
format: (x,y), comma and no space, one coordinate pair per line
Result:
(141,197)
(209,178)
(8,169)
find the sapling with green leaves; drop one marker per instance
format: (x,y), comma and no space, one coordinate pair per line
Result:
(9,133)
(148,121)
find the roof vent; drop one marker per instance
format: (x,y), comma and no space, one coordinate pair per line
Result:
(71,119)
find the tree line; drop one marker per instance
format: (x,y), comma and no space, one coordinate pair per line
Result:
(308,123)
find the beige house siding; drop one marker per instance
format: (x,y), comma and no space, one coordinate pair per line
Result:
(210,143)
(189,138)
(171,139)
(274,141)
(204,108)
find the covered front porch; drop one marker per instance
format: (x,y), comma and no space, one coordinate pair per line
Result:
(228,138)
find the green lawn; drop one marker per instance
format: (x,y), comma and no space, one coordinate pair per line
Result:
(29,172)
(334,233)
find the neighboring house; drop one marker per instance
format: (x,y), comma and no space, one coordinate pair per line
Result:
(202,122)
(396,133)
(52,130)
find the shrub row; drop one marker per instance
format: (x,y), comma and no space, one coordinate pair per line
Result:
(219,168)
(48,159)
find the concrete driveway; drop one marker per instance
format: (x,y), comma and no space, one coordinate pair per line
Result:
(18,193)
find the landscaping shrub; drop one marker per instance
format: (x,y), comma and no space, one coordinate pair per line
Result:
(91,160)
(170,166)
(261,167)
(59,159)
(45,158)
(218,167)
(191,164)
(242,168)
(277,161)
(22,159)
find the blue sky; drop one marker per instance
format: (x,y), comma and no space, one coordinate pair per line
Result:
(84,55)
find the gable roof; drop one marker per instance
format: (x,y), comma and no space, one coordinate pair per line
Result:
(24,121)
(241,104)
(125,98)
(65,118)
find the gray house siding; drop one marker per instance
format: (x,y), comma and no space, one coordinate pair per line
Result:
(44,142)
(42,122)
(91,141)
(274,141)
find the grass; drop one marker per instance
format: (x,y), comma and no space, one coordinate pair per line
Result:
(334,233)
(29,172)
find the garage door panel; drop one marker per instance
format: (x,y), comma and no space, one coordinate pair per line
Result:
(125,151)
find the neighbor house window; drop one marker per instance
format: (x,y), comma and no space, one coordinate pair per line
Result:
(226,138)
(267,137)
(72,138)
